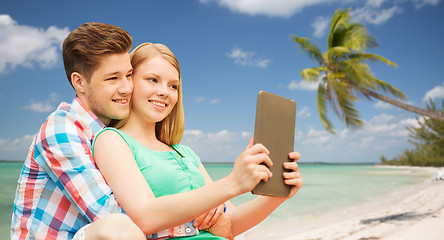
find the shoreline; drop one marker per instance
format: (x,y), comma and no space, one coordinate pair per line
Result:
(416,210)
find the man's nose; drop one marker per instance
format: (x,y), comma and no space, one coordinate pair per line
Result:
(126,86)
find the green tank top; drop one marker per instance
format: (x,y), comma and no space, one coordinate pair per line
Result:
(168,172)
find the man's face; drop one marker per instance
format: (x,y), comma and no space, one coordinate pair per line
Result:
(108,92)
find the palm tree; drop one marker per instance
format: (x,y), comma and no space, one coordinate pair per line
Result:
(343,75)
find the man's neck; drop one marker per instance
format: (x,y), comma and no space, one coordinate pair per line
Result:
(84,103)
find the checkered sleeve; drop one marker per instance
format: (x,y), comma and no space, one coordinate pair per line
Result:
(64,151)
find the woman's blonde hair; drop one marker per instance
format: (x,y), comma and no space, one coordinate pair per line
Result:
(169,130)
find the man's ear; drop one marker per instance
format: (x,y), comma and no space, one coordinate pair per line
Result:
(78,82)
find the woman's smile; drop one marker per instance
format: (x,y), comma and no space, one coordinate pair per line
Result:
(158,104)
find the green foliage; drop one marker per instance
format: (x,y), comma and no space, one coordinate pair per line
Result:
(342,70)
(428,139)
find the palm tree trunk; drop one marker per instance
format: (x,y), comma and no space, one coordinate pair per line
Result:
(399,104)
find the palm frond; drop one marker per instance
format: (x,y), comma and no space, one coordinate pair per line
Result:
(322,108)
(371,57)
(357,38)
(335,76)
(346,100)
(337,52)
(346,33)
(359,73)
(312,74)
(336,27)
(389,88)
(307,46)
(331,96)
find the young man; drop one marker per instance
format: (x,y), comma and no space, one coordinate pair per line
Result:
(60,189)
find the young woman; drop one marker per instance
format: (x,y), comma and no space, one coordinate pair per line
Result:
(161,184)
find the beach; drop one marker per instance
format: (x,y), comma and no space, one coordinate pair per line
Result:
(336,202)
(413,213)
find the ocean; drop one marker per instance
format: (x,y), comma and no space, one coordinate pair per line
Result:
(327,187)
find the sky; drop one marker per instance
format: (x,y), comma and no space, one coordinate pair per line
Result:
(229,50)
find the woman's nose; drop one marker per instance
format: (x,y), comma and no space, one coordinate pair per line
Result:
(162,90)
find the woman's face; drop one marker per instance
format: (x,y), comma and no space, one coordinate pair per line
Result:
(156,83)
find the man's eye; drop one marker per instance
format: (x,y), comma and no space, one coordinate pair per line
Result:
(152,80)
(129,75)
(112,78)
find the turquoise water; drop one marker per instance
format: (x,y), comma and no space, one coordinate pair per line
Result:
(332,187)
(326,188)
(9,173)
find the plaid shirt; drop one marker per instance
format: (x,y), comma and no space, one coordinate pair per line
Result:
(60,188)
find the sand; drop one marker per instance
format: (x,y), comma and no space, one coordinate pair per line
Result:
(414,213)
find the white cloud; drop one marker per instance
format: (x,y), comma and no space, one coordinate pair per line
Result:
(22,45)
(246,134)
(422,3)
(200,99)
(320,26)
(205,99)
(436,92)
(388,126)
(276,8)
(375,15)
(382,105)
(47,105)
(383,134)
(222,146)
(15,149)
(39,107)
(374,3)
(304,112)
(245,58)
(387,106)
(303,85)
(371,11)
(215,101)
(318,137)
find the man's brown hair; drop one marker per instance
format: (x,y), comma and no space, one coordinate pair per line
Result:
(87,44)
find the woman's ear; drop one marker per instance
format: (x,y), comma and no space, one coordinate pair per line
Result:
(78,82)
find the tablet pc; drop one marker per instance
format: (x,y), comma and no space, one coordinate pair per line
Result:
(274,128)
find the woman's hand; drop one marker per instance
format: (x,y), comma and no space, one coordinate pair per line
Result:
(248,170)
(223,227)
(216,222)
(206,220)
(293,178)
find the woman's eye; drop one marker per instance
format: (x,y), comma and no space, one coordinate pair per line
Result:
(175,87)
(112,78)
(152,80)
(129,75)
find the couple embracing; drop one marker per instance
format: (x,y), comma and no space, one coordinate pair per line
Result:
(110,164)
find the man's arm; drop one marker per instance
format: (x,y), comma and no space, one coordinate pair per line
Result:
(63,149)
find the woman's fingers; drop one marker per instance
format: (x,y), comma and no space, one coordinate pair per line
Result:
(291,175)
(213,219)
(198,221)
(206,221)
(295,182)
(294,155)
(209,218)
(250,143)
(293,166)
